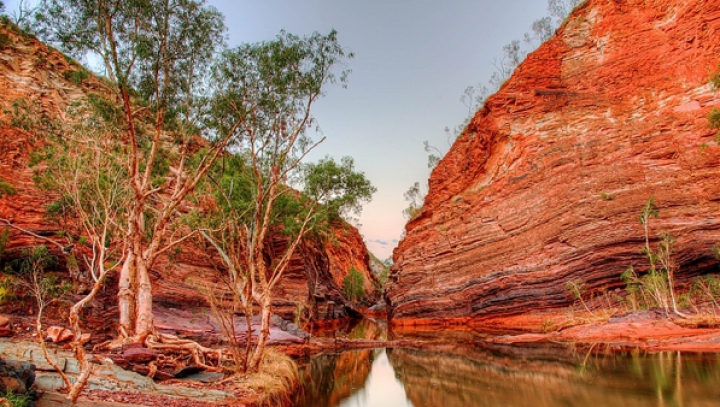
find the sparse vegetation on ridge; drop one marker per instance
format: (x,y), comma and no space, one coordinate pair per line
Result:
(474,97)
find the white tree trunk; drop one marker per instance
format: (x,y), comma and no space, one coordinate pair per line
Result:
(144,304)
(126,295)
(257,357)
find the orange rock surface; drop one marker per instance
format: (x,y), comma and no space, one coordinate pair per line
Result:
(40,76)
(546,184)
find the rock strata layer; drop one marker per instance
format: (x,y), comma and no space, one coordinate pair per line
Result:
(546,184)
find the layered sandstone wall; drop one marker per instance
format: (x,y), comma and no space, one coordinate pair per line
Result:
(546,184)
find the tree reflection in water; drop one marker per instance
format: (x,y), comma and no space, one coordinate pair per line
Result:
(545,375)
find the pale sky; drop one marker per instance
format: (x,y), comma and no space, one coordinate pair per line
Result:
(413,60)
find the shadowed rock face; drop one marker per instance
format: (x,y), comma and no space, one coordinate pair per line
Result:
(40,76)
(546,184)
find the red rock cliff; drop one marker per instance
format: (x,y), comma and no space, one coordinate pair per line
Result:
(42,78)
(546,184)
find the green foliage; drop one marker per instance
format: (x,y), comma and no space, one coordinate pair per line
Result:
(648,211)
(30,271)
(29,117)
(353,285)
(4,41)
(648,291)
(77,77)
(17,400)
(656,287)
(714,116)
(8,288)
(706,289)
(270,84)
(269,87)
(606,196)
(37,257)
(578,288)
(4,239)
(715,78)
(415,199)
(340,188)
(6,189)
(175,39)
(714,120)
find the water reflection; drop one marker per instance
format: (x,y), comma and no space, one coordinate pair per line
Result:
(354,329)
(546,375)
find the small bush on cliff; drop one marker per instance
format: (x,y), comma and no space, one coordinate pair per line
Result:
(353,285)
(705,290)
(6,189)
(29,116)
(715,78)
(415,198)
(578,288)
(77,77)
(657,287)
(714,116)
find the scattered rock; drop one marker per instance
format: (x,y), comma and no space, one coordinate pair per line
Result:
(58,334)
(289,327)
(205,377)
(16,377)
(187,371)
(5,327)
(139,355)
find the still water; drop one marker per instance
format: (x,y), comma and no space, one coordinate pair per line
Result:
(483,374)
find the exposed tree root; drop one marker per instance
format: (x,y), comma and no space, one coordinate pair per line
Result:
(199,353)
(202,356)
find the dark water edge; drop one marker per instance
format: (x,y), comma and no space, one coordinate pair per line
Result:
(480,374)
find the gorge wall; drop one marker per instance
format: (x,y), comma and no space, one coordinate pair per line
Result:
(546,184)
(46,83)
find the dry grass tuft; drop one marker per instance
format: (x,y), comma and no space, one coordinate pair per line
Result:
(276,381)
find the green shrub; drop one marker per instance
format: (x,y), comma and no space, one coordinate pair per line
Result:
(6,189)
(28,116)
(657,287)
(715,78)
(353,285)
(4,41)
(17,400)
(77,77)
(714,118)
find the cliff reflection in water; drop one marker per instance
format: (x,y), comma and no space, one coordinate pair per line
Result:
(534,377)
(545,375)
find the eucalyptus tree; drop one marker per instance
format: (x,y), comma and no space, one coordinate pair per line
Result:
(86,167)
(264,187)
(156,54)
